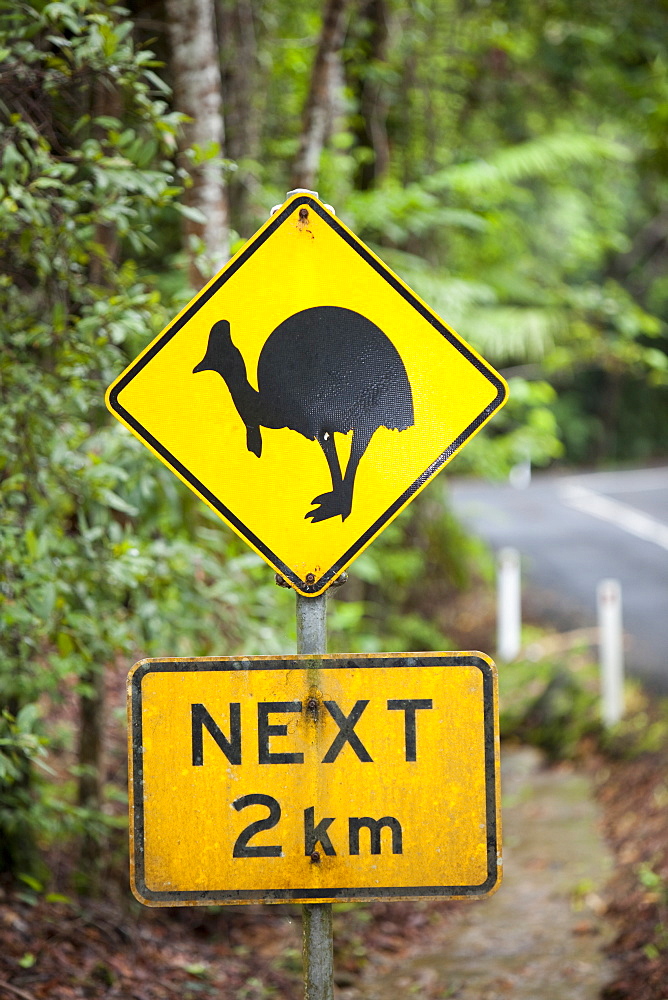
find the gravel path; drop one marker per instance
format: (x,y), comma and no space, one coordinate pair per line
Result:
(542,934)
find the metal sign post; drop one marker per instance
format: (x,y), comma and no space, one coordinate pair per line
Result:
(317,937)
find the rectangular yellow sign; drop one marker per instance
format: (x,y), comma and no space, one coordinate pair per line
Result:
(314,779)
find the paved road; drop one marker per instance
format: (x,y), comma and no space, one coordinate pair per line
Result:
(573,531)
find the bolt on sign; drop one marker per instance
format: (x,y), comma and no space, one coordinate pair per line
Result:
(306,394)
(314,779)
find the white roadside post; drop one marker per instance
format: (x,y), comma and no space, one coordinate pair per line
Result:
(509,604)
(611,650)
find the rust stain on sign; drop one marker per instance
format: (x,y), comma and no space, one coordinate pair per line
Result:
(308,779)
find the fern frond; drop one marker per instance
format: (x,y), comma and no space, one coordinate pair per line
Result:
(393,213)
(515,333)
(542,157)
(450,297)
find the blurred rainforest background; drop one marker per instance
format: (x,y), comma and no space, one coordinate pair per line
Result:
(508,158)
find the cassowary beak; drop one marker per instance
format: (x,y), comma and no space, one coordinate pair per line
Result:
(205,365)
(220,332)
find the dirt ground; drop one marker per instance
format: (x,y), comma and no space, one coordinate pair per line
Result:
(634,798)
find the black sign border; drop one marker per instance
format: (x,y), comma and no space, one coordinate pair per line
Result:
(308,589)
(400,661)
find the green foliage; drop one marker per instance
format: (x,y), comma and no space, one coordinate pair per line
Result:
(524,201)
(19,740)
(22,746)
(551,704)
(526,429)
(656,894)
(651,880)
(642,730)
(399,587)
(101,555)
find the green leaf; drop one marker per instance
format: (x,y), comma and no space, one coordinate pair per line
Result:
(192,213)
(116,502)
(32,883)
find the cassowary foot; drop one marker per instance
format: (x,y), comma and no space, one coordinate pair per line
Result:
(329,505)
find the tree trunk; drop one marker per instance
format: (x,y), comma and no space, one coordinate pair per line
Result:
(372,99)
(198,94)
(241,86)
(19,853)
(106,100)
(321,96)
(91,774)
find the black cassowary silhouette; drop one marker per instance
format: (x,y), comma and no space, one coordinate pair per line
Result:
(321,371)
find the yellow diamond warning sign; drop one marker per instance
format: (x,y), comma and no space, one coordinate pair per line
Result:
(306,394)
(314,779)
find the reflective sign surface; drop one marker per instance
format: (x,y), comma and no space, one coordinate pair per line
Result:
(314,779)
(306,394)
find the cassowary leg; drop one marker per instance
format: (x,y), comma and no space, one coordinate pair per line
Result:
(339,501)
(326,441)
(328,502)
(361,440)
